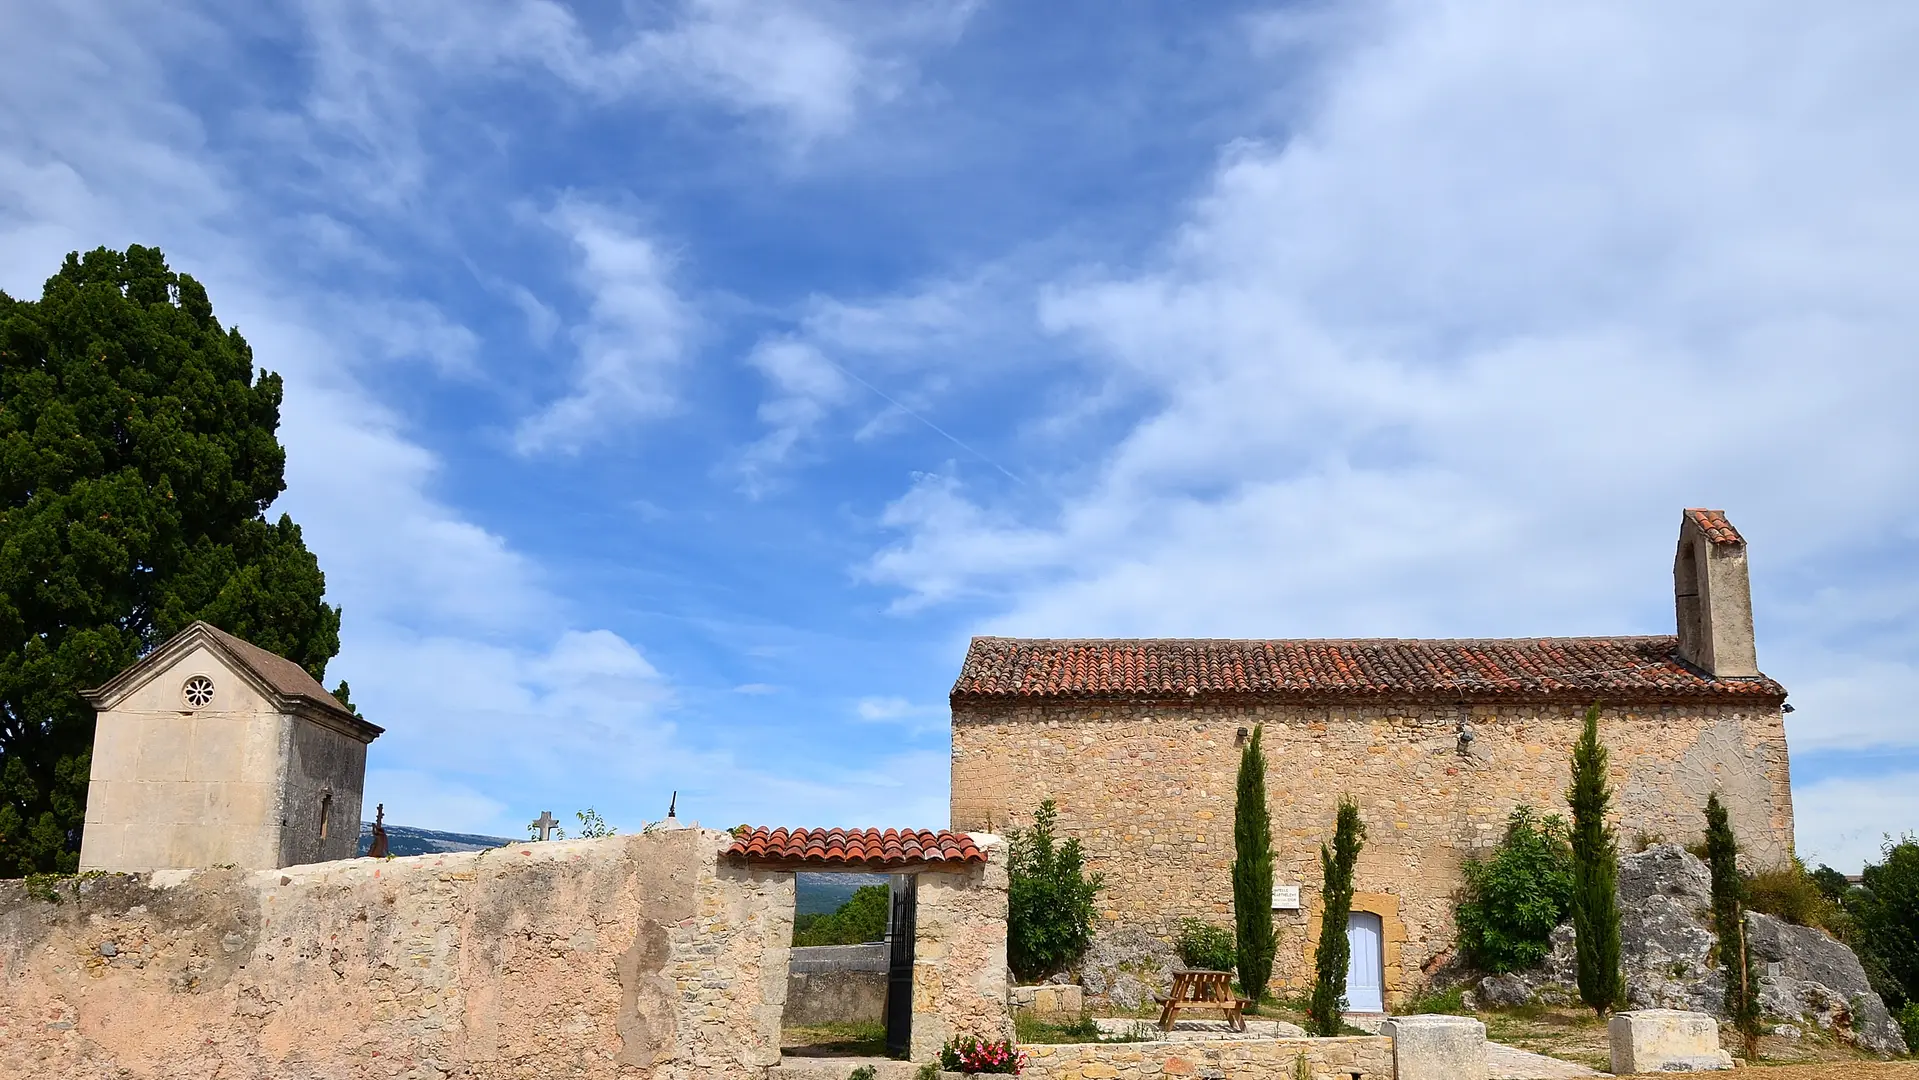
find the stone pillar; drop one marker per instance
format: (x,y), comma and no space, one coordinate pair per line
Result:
(960,982)
(1665,1040)
(1437,1047)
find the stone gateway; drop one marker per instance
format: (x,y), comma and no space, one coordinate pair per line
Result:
(1138,742)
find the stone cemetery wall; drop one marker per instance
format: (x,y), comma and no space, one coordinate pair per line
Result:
(960,980)
(625,957)
(1369,1057)
(836,984)
(1149,788)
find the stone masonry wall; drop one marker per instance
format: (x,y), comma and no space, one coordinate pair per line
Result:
(1368,1057)
(641,956)
(1149,789)
(960,981)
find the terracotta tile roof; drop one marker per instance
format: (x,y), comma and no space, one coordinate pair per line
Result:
(855,847)
(1613,669)
(1714,524)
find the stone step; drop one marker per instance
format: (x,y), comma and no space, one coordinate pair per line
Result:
(839,1068)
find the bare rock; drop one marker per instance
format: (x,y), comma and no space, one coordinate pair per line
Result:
(1504,991)
(1127,966)
(1811,977)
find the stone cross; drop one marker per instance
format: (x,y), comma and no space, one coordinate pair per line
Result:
(546,824)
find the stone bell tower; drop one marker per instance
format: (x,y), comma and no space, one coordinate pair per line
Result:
(1713,597)
(212,751)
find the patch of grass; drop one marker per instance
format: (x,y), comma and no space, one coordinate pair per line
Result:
(834,1040)
(1451,1002)
(1028,1028)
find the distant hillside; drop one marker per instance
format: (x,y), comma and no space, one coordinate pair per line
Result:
(822,894)
(404,840)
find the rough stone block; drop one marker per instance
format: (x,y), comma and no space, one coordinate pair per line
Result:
(1665,1040)
(1437,1047)
(1050,999)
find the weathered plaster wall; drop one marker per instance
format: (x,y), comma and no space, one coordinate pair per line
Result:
(960,980)
(1149,790)
(1369,1057)
(177,787)
(641,956)
(325,771)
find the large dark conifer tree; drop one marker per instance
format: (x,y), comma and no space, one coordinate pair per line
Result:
(137,460)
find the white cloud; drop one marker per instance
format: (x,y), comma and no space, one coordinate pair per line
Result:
(1842,821)
(1449,356)
(804,387)
(637,331)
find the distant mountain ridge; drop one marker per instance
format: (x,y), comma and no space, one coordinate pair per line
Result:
(406,840)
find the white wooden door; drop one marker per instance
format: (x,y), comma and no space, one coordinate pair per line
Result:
(1365,974)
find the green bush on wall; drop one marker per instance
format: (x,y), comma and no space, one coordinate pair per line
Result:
(1049,898)
(1513,899)
(1206,947)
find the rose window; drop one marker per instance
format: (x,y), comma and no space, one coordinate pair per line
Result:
(198,691)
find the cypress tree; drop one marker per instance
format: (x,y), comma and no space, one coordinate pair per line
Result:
(137,460)
(1253,873)
(1334,953)
(1595,906)
(1729,922)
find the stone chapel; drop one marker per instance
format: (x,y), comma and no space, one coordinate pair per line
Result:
(212,751)
(1138,742)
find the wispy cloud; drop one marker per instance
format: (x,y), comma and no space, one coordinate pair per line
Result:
(637,331)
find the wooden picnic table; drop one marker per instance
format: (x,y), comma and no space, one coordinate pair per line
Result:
(1207,990)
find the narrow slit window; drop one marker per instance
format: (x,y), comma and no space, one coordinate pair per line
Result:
(326,811)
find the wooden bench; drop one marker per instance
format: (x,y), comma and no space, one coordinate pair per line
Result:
(1207,990)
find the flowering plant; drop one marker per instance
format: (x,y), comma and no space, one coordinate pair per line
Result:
(973,1054)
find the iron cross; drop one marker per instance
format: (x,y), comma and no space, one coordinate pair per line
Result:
(546,824)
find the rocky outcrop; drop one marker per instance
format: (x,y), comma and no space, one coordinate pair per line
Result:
(1126,966)
(1811,978)
(1667,947)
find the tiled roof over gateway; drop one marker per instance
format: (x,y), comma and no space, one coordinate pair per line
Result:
(1609,669)
(855,847)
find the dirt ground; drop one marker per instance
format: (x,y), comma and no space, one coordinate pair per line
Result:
(1831,1070)
(1575,1035)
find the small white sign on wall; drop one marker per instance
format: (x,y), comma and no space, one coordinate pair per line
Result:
(1285,898)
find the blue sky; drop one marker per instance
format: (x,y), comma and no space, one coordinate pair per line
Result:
(673,387)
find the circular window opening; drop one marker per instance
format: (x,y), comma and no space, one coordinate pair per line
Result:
(198,691)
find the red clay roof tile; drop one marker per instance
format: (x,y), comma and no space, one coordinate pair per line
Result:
(870,848)
(1611,669)
(1714,524)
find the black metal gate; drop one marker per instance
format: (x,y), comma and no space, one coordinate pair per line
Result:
(900,929)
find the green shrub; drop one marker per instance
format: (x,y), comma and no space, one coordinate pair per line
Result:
(1832,883)
(1791,893)
(1909,1022)
(1450,1002)
(1512,901)
(1205,946)
(1886,919)
(1049,898)
(929,1070)
(861,919)
(864,1072)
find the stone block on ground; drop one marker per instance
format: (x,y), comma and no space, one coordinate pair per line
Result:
(1437,1047)
(1665,1040)
(1050,999)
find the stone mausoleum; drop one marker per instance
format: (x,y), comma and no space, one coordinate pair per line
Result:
(212,751)
(1138,742)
